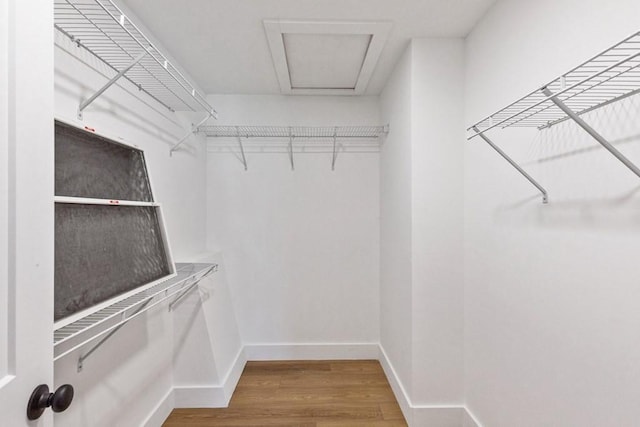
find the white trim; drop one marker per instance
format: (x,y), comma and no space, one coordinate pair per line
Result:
(110,202)
(80,125)
(218,396)
(161,411)
(213,396)
(396,385)
(199,397)
(421,415)
(233,375)
(275,29)
(312,351)
(470,420)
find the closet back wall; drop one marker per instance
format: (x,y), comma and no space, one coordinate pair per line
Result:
(300,247)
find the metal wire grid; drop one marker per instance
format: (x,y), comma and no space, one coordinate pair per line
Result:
(187,275)
(102,28)
(608,77)
(342,132)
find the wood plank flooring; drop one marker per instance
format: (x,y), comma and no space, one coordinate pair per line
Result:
(304,394)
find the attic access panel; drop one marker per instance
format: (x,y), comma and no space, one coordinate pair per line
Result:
(325,58)
(110,238)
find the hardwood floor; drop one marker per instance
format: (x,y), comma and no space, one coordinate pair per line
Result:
(304,394)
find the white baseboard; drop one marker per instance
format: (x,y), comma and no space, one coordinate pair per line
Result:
(233,376)
(438,416)
(214,396)
(469,420)
(396,385)
(218,396)
(329,351)
(161,411)
(419,415)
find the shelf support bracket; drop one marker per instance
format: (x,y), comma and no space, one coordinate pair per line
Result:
(545,197)
(335,153)
(244,159)
(85,356)
(192,286)
(85,104)
(183,294)
(606,144)
(291,150)
(193,130)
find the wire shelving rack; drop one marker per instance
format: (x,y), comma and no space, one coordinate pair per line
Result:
(105,31)
(108,320)
(309,139)
(610,76)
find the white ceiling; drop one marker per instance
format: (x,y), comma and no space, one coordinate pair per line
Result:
(222,43)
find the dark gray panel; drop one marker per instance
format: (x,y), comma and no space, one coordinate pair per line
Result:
(88,165)
(103,251)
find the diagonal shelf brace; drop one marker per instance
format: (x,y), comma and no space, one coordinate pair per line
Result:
(85,356)
(335,153)
(291,150)
(244,159)
(193,130)
(606,144)
(85,104)
(141,309)
(545,197)
(192,286)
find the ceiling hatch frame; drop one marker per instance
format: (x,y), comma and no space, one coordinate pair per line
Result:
(277,29)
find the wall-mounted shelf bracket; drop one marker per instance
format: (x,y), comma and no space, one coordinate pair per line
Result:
(545,197)
(606,144)
(192,286)
(104,339)
(103,324)
(244,159)
(86,103)
(186,289)
(335,152)
(193,130)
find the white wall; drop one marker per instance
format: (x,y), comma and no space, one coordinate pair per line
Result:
(437,179)
(421,232)
(551,319)
(395,224)
(123,381)
(300,247)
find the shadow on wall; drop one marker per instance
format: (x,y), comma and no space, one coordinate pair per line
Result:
(111,103)
(588,187)
(112,377)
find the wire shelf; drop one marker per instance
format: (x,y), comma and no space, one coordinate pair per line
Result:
(75,335)
(100,27)
(324,132)
(608,77)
